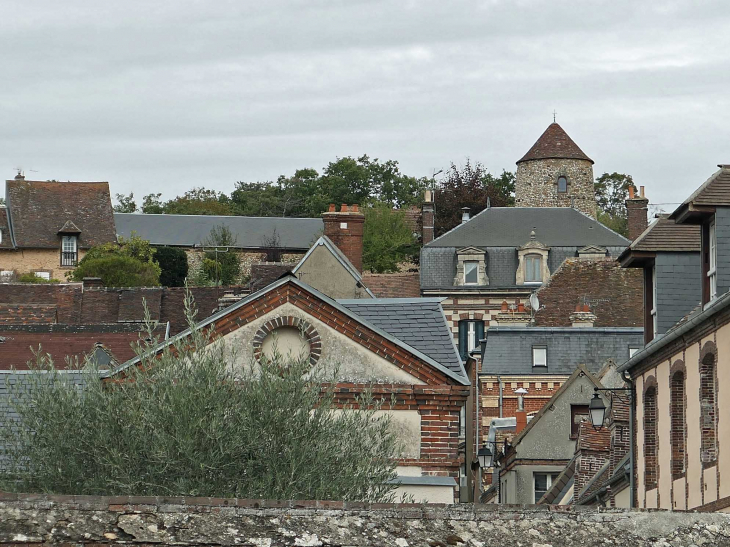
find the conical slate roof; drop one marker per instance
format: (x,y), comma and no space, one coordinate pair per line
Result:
(555,143)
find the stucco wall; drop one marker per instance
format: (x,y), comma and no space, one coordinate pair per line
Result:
(325,273)
(30,260)
(84,520)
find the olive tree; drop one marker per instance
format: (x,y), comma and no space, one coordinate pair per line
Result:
(186,422)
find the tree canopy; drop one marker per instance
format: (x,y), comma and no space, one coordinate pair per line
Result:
(387,240)
(612,191)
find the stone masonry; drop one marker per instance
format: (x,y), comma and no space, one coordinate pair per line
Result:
(536,184)
(36,520)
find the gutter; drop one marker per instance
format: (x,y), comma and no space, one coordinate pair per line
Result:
(658,343)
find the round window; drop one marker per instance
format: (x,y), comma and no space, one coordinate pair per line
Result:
(288,342)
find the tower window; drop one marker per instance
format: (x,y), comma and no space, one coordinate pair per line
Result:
(562,185)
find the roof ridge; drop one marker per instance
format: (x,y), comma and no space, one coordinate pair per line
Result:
(170,215)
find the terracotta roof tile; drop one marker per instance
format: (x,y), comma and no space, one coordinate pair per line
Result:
(395,285)
(614,294)
(592,439)
(555,143)
(39,210)
(665,235)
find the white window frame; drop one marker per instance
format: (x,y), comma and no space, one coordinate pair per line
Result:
(712,272)
(537,350)
(548,481)
(43,275)
(652,312)
(73,248)
(471,336)
(528,259)
(468,265)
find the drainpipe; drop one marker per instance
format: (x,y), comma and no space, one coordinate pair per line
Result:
(499,379)
(632,417)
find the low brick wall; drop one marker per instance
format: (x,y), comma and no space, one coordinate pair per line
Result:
(49,520)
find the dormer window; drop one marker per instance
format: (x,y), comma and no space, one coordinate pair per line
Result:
(562,184)
(69,250)
(533,269)
(471,267)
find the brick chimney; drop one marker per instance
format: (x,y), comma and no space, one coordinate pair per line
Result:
(636,213)
(592,452)
(427,218)
(582,316)
(344,228)
(520,414)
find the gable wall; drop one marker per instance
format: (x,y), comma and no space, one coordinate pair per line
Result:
(325,273)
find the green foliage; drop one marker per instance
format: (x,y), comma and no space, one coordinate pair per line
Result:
(191,424)
(151,204)
(126,204)
(118,271)
(470,186)
(612,191)
(173,266)
(33,278)
(129,264)
(220,264)
(387,239)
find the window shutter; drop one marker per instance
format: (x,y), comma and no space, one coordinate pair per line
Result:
(480,333)
(463,333)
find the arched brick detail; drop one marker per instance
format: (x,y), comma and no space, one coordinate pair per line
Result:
(708,404)
(650,436)
(678,418)
(649,381)
(308,331)
(478,316)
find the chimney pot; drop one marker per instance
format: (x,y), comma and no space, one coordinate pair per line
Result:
(332,208)
(521,307)
(343,209)
(641,191)
(586,308)
(505,306)
(355,208)
(631,191)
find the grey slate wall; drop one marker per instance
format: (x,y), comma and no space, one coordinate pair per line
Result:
(679,288)
(722,230)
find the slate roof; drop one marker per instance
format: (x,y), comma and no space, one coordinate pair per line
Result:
(714,191)
(554,143)
(614,294)
(419,322)
(511,227)
(664,234)
(251,232)
(39,209)
(508,350)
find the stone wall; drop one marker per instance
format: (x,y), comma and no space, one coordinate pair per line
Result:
(536,184)
(246,259)
(23,261)
(87,520)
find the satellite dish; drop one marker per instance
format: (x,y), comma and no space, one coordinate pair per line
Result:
(534,302)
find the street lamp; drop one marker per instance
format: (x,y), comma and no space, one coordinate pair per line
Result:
(487,458)
(597,410)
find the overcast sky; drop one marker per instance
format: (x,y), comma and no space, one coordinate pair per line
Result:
(161,96)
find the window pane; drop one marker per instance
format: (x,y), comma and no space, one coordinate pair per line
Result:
(470,272)
(539,357)
(533,268)
(540,482)
(562,185)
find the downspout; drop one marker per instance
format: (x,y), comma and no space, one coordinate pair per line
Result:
(632,417)
(499,380)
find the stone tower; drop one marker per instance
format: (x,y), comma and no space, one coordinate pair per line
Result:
(555,173)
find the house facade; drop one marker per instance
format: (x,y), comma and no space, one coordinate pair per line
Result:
(681,382)
(487,267)
(46,227)
(373,343)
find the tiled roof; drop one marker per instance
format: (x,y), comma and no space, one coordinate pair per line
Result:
(555,143)
(419,322)
(28,314)
(665,235)
(714,191)
(509,349)
(17,343)
(40,209)
(590,438)
(393,285)
(614,294)
(250,232)
(6,241)
(511,227)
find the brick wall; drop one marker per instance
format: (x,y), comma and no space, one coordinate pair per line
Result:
(592,453)
(345,229)
(650,438)
(637,216)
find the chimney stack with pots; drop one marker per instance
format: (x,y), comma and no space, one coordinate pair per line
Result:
(345,229)
(582,316)
(428,218)
(637,208)
(465,214)
(520,414)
